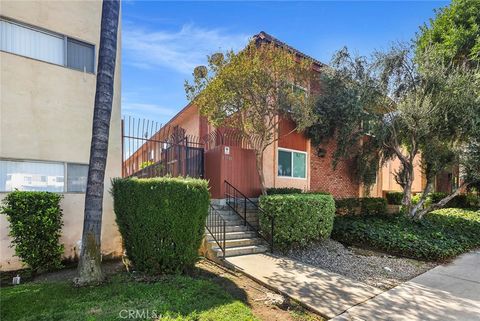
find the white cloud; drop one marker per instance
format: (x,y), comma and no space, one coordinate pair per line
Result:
(180,50)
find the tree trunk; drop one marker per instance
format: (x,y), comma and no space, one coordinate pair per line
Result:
(406,182)
(419,205)
(441,203)
(259,163)
(89,268)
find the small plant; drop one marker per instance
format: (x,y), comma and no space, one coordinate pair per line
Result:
(299,218)
(146,164)
(394,198)
(35,227)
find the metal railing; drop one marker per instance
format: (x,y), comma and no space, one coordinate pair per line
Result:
(151,150)
(216,227)
(240,203)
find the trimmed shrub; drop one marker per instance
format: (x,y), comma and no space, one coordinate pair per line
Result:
(283,190)
(459,201)
(162,221)
(442,234)
(373,206)
(361,206)
(299,219)
(347,206)
(35,227)
(394,198)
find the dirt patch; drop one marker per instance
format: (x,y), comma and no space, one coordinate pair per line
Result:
(265,304)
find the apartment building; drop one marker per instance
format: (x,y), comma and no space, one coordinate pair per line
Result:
(48,60)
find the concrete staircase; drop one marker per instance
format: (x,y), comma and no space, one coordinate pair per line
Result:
(240,239)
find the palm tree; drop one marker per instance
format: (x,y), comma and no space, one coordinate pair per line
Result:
(89,268)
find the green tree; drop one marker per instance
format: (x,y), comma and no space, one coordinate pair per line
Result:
(251,91)
(454,33)
(386,107)
(89,268)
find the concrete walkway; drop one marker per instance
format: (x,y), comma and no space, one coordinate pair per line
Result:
(327,293)
(447,292)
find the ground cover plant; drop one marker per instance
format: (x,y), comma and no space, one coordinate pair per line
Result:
(441,235)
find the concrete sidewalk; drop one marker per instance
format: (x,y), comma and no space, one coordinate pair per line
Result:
(327,293)
(447,292)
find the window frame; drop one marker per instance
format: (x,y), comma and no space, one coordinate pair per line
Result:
(291,151)
(53,34)
(65,171)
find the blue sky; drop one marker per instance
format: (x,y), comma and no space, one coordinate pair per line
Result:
(163,41)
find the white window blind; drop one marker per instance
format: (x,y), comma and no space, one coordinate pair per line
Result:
(31,43)
(31,176)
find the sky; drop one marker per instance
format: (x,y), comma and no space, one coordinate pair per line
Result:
(162,42)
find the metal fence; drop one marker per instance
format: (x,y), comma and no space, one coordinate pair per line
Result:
(151,150)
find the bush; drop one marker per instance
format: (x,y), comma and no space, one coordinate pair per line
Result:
(299,219)
(440,235)
(283,190)
(162,221)
(363,206)
(347,206)
(373,206)
(35,227)
(394,198)
(459,201)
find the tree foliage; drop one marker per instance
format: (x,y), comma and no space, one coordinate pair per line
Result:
(252,90)
(388,106)
(454,33)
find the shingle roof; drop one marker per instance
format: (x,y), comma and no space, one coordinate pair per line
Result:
(263,36)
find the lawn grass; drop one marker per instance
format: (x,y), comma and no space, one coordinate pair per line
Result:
(441,235)
(172,298)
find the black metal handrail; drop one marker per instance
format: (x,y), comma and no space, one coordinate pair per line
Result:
(235,198)
(216,227)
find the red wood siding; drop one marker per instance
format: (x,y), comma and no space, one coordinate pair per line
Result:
(289,137)
(238,168)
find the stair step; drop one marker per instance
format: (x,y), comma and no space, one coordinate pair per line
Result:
(241,250)
(236,235)
(240,242)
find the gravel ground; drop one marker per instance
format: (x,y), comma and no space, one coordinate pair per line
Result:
(376,269)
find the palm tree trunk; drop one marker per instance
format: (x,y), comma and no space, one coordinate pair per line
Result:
(89,268)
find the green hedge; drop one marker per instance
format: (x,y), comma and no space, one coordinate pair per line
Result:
(394,198)
(283,190)
(162,221)
(440,235)
(459,201)
(299,218)
(35,227)
(373,206)
(362,206)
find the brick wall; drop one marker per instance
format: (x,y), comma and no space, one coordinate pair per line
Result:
(323,178)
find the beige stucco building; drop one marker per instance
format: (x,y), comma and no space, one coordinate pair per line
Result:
(48,59)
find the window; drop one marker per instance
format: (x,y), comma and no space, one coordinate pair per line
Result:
(77,177)
(25,41)
(42,176)
(292,163)
(28,176)
(47,46)
(80,55)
